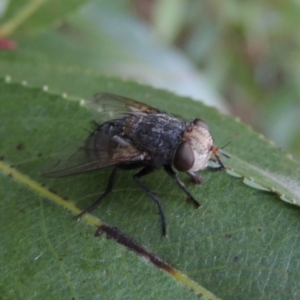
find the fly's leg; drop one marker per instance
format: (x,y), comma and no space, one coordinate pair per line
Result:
(108,189)
(217,168)
(171,173)
(145,171)
(194,177)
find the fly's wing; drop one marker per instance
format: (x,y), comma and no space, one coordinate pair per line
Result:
(105,147)
(105,106)
(91,156)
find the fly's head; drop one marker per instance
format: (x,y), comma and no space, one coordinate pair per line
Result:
(195,150)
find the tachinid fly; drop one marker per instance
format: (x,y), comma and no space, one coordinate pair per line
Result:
(137,136)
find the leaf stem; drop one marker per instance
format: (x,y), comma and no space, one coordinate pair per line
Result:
(10,26)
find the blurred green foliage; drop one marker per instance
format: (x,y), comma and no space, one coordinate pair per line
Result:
(246,51)
(249,51)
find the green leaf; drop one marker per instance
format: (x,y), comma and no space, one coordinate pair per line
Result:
(242,242)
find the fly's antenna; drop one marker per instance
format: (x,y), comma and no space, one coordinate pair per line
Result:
(215,150)
(223,152)
(225,145)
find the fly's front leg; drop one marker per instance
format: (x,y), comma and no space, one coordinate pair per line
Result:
(194,177)
(108,189)
(145,171)
(171,173)
(214,168)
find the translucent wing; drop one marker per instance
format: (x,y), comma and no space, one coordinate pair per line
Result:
(87,158)
(105,147)
(105,106)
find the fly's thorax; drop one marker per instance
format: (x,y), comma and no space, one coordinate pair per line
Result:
(157,134)
(130,124)
(194,152)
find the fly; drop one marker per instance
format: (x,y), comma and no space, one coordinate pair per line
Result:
(133,135)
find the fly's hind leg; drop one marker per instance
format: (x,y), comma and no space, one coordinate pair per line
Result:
(108,189)
(145,171)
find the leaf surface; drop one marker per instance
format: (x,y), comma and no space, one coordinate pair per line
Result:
(241,242)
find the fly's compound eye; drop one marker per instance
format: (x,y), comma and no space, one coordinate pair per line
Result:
(200,123)
(184,157)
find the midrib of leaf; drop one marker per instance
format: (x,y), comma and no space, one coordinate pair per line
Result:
(90,219)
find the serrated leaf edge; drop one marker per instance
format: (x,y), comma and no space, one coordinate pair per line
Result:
(246,180)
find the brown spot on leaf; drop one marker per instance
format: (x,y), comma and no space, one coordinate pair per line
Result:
(121,238)
(52,191)
(20,147)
